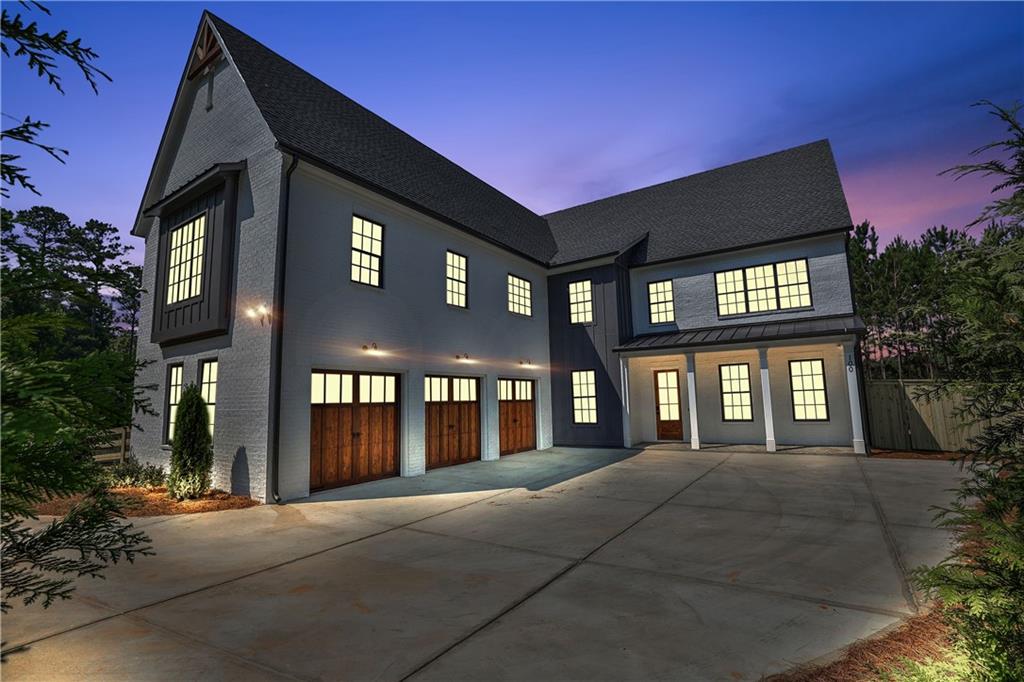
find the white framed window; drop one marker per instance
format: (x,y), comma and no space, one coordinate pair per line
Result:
(331,388)
(763,288)
(185,260)
(584,397)
(520,299)
(367,251)
(734,381)
(581,303)
(515,389)
(175,377)
(807,384)
(463,390)
(659,302)
(455,280)
(435,389)
(208,388)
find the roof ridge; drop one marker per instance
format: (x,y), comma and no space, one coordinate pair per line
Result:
(824,140)
(367,110)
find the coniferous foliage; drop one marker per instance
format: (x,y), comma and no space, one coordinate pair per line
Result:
(982,332)
(191,447)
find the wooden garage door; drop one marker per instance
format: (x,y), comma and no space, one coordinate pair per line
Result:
(517,427)
(353,434)
(452,408)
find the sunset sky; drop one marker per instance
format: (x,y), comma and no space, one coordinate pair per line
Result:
(558,104)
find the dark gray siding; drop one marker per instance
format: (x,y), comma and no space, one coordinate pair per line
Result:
(588,346)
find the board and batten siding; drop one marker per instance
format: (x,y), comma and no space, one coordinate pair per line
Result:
(693,284)
(232,130)
(588,346)
(329,318)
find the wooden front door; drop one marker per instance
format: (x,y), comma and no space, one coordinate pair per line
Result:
(353,433)
(452,408)
(517,423)
(668,399)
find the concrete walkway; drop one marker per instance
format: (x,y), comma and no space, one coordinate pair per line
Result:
(561,564)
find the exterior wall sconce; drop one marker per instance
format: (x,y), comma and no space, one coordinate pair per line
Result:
(370,348)
(526,363)
(462,358)
(260,312)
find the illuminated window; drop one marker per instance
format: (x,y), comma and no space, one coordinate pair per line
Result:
(376,388)
(659,300)
(519,297)
(735,384)
(208,388)
(731,296)
(463,390)
(455,279)
(807,382)
(367,247)
(581,305)
(174,380)
(584,397)
(761,294)
(185,260)
(762,288)
(330,388)
(515,389)
(794,285)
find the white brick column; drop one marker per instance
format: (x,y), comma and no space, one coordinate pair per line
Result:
(627,436)
(766,399)
(853,389)
(691,397)
(414,455)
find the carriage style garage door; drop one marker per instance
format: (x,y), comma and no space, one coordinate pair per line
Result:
(353,434)
(452,408)
(516,421)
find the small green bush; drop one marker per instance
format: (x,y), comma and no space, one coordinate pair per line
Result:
(131,473)
(957,666)
(192,447)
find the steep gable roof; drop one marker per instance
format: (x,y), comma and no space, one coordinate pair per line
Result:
(310,117)
(789,194)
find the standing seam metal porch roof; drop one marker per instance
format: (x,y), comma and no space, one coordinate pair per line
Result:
(747,333)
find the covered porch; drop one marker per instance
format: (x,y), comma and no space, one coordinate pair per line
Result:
(777,387)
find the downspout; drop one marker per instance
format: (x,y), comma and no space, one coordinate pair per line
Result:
(277,331)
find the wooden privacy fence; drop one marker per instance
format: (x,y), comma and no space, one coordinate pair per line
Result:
(116,447)
(899,420)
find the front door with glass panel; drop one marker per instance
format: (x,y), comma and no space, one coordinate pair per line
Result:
(668,399)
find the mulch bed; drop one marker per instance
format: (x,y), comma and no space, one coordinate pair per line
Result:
(915,454)
(922,637)
(154,502)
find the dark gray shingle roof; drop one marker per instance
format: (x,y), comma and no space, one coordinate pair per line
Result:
(311,117)
(791,193)
(746,333)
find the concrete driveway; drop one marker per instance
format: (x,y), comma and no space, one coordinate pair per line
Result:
(561,564)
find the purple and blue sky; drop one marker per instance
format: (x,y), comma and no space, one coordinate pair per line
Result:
(558,104)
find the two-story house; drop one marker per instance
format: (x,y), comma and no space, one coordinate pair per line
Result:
(354,305)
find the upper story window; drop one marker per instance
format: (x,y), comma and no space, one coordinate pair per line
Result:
(367,250)
(584,397)
(455,279)
(520,299)
(659,302)
(763,288)
(581,304)
(185,260)
(208,388)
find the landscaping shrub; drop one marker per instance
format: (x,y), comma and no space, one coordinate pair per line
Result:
(131,473)
(192,447)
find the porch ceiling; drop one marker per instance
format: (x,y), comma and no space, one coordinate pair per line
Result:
(747,333)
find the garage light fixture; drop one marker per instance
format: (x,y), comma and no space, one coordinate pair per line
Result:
(260,312)
(526,363)
(372,349)
(463,358)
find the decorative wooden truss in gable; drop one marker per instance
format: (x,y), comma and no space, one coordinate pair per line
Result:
(206,54)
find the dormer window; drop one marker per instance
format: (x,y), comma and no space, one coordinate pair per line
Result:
(185,260)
